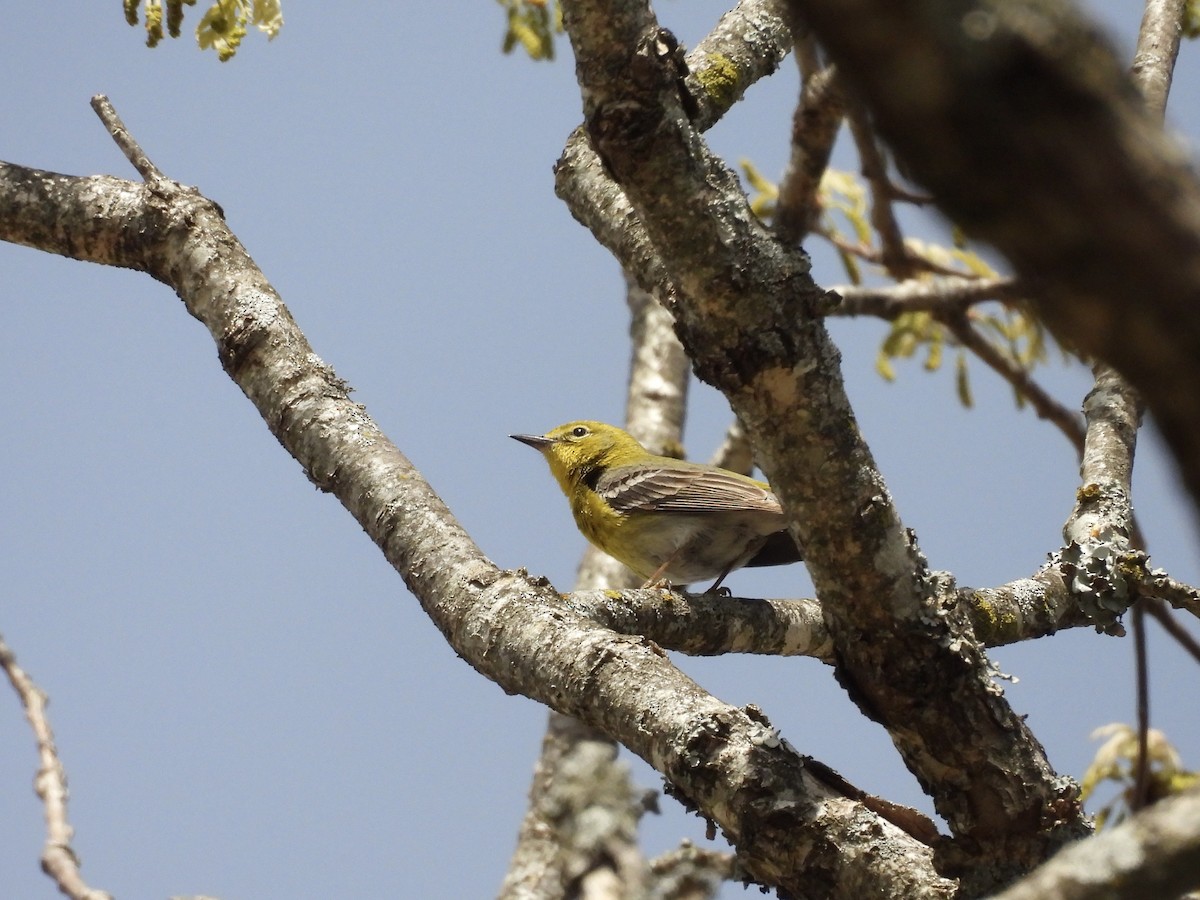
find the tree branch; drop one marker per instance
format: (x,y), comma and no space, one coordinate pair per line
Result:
(893,253)
(748,43)
(58,858)
(1151,856)
(582,820)
(945,295)
(129,147)
(710,624)
(1154,62)
(749,316)
(815,126)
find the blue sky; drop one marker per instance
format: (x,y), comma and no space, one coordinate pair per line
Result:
(248,702)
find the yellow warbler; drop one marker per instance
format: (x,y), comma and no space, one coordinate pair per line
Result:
(666,519)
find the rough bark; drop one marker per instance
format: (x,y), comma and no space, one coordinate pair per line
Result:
(752,321)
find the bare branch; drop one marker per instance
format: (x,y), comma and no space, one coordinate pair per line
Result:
(711,624)
(1154,62)
(1157,50)
(875,255)
(748,43)
(815,126)
(656,402)
(582,821)
(894,255)
(1151,855)
(690,872)
(1113,413)
(1181,635)
(1159,585)
(736,452)
(130,147)
(58,858)
(944,295)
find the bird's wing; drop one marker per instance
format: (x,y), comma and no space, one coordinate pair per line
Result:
(698,490)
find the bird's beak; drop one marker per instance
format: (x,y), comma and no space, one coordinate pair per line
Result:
(536,441)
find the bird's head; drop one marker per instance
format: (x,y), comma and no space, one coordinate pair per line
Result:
(579,449)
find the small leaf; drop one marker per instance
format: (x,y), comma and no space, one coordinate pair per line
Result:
(933,361)
(1191,19)
(850,264)
(884,367)
(962,381)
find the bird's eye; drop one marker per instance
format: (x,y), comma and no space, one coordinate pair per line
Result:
(578,431)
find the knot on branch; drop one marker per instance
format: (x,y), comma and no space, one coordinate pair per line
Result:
(622,123)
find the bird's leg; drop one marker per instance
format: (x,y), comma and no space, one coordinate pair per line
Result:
(716,585)
(656,580)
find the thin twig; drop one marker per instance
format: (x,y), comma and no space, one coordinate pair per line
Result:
(1153,65)
(1043,404)
(1181,635)
(815,126)
(1141,765)
(948,299)
(896,258)
(129,146)
(1178,595)
(871,254)
(58,858)
(948,295)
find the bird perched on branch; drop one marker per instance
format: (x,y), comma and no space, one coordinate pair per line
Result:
(666,519)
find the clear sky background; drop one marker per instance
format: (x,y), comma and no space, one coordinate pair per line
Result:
(248,701)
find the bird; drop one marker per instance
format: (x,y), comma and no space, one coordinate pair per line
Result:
(670,521)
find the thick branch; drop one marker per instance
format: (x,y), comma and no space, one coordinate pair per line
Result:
(748,43)
(1152,856)
(749,316)
(710,624)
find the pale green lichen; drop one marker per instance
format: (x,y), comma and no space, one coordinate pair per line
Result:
(994,623)
(720,79)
